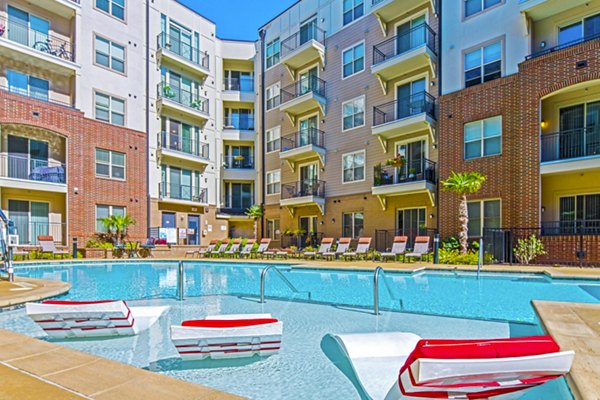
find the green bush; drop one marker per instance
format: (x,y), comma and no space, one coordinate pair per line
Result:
(454,257)
(96,244)
(529,249)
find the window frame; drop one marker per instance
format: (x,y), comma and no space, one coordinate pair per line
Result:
(110,164)
(267,99)
(278,54)
(29,86)
(276,148)
(110,109)
(482,218)
(355,234)
(482,139)
(353,11)
(482,11)
(274,184)
(364,111)
(364,57)
(480,47)
(110,212)
(353,154)
(110,10)
(111,43)
(273,228)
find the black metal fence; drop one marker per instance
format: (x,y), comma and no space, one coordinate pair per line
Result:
(310,84)
(408,106)
(304,188)
(301,241)
(178,143)
(563,46)
(420,35)
(411,171)
(575,143)
(183,97)
(303,138)
(238,162)
(304,35)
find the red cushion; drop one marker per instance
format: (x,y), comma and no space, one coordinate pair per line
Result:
(76,303)
(223,323)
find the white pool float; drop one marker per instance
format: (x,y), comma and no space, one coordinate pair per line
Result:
(82,319)
(228,336)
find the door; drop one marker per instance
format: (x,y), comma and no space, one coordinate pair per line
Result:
(168,220)
(18,26)
(175,183)
(414,154)
(38,156)
(174,129)
(411,98)
(186,185)
(18,212)
(39,221)
(411,223)
(309,226)
(194,223)
(308,31)
(572,123)
(309,180)
(592,131)
(308,132)
(308,81)
(410,35)
(18,157)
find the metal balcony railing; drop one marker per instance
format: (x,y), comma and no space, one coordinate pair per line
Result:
(310,84)
(309,187)
(169,141)
(35,95)
(48,43)
(304,137)
(20,166)
(174,45)
(242,122)
(410,106)
(420,35)
(375,2)
(563,46)
(176,191)
(304,35)
(575,143)
(411,171)
(238,162)
(573,227)
(182,97)
(243,84)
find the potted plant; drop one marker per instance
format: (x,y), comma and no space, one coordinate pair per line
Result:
(396,162)
(197,104)
(412,173)
(168,92)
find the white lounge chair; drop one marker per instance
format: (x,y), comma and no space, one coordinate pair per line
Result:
(247,249)
(221,250)
(325,247)
(421,248)
(76,319)
(48,246)
(394,366)
(208,250)
(234,249)
(362,249)
(398,249)
(342,247)
(262,248)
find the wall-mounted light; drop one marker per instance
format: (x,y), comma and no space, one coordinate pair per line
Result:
(544,124)
(543,209)
(431,216)
(543,44)
(333,220)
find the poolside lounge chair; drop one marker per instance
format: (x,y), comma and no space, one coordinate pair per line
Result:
(342,247)
(48,246)
(247,249)
(221,250)
(398,249)
(421,248)
(325,247)
(234,249)
(396,365)
(208,250)
(362,249)
(263,246)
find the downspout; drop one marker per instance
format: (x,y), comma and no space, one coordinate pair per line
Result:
(263,110)
(148,180)
(439,74)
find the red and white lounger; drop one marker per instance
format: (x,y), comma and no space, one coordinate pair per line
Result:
(451,369)
(228,336)
(81,319)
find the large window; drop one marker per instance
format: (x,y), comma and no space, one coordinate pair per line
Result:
(274,182)
(110,164)
(110,109)
(587,28)
(483,65)
(104,211)
(109,54)
(239,196)
(483,138)
(27,85)
(581,208)
(473,7)
(353,224)
(483,215)
(354,167)
(116,8)
(273,229)
(353,10)
(354,60)
(273,96)
(273,140)
(273,51)
(354,113)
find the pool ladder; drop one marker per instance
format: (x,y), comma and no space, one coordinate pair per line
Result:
(380,273)
(263,277)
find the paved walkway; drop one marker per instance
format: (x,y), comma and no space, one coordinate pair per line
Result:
(25,290)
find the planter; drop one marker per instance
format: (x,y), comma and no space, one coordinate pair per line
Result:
(93,253)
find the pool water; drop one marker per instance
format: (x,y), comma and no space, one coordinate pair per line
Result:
(430,304)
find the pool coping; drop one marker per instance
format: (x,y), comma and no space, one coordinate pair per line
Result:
(24,290)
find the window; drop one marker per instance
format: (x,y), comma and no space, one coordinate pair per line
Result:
(354,167)
(103,211)
(354,113)
(483,138)
(273,96)
(353,9)
(110,164)
(483,215)
(354,60)
(239,196)
(273,50)
(110,109)
(273,140)
(116,8)
(27,85)
(483,65)
(473,7)
(580,208)
(273,230)
(353,224)
(110,54)
(588,28)
(274,182)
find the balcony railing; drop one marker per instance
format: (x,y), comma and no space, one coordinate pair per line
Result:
(420,35)
(304,188)
(239,206)
(290,44)
(375,2)
(410,106)
(239,122)
(563,46)
(238,162)
(20,166)
(35,95)
(411,171)
(168,141)
(574,227)
(575,143)
(305,137)
(183,97)
(311,84)
(243,84)
(184,50)
(176,191)
(41,41)
(29,231)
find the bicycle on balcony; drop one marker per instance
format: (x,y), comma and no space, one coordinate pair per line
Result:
(46,47)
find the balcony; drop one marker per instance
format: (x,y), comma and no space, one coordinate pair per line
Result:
(540,9)
(302,48)
(177,150)
(173,51)
(303,96)
(236,210)
(240,168)
(239,90)
(570,151)
(306,144)
(388,10)
(576,227)
(562,46)
(42,96)
(404,118)
(414,177)
(240,122)
(176,193)
(47,50)
(23,172)
(64,8)
(182,101)
(303,194)
(402,54)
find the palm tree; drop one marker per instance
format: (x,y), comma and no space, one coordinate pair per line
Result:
(255,212)
(117,225)
(462,184)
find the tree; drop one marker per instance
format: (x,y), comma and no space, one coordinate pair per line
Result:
(255,212)
(462,184)
(117,226)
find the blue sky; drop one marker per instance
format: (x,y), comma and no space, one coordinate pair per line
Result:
(238,19)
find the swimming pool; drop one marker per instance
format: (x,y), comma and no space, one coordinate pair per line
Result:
(430,304)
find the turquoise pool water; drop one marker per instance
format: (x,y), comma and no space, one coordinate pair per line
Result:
(430,304)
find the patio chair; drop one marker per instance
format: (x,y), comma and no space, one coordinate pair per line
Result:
(221,250)
(146,249)
(234,249)
(208,250)
(421,248)
(48,246)
(398,249)
(325,247)
(362,249)
(262,248)
(342,247)
(247,249)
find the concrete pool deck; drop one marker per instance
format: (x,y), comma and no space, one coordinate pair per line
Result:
(25,290)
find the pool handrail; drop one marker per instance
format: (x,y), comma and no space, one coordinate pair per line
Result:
(380,272)
(263,276)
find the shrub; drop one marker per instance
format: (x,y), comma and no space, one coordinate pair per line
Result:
(454,257)
(529,249)
(96,244)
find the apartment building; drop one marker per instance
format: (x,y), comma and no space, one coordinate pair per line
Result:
(350,87)
(519,105)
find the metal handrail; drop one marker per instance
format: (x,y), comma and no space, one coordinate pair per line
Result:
(263,276)
(7,228)
(380,272)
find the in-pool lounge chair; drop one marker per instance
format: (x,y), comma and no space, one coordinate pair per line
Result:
(325,247)
(398,249)
(48,246)
(234,250)
(247,249)
(362,249)
(81,319)
(421,248)
(396,365)
(221,250)
(342,247)
(206,252)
